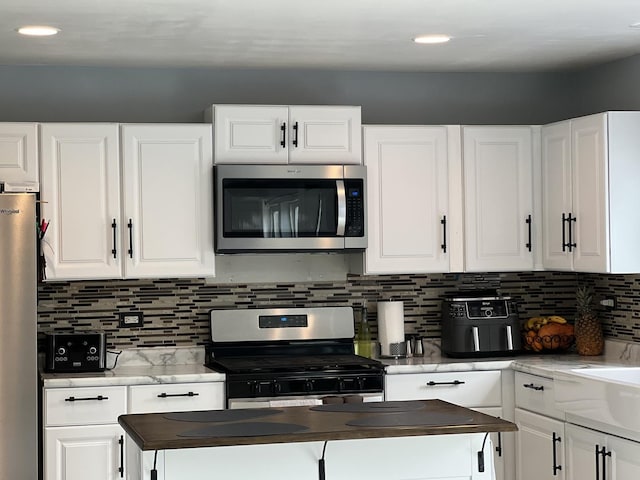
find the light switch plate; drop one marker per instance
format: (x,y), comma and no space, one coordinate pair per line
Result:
(131,319)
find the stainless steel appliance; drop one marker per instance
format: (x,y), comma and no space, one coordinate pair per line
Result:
(18,356)
(290,208)
(290,356)
(480,326)
(76,352)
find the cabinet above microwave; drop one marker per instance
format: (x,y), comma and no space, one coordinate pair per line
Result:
(290,208)
(277,134)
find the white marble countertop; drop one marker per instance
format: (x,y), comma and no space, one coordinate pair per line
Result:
(616,353)
(142,366)
(186,364)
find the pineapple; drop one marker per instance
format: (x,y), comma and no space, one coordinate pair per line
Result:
(588,331)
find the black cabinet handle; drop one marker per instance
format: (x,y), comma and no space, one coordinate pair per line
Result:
(121,467)
(295,134)
(528,222)
(167,395)
(113,230)
(598,461)
(283,131)
(533,387)
(571,244)
(84,399)
(433,384)
(556,467)
(130,227)
(499,447)
(443,222)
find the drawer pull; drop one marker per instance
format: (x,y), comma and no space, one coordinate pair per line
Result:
(74,399)
(556,467)
(433,384)
(534,387)
(121,467)
(167,395)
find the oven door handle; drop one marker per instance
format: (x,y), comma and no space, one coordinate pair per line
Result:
(342,208)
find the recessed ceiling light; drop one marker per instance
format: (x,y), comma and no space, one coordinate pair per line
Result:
(635,25)
(432,39)
(38,30)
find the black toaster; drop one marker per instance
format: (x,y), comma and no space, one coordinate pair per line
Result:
(76,352)
(480,327)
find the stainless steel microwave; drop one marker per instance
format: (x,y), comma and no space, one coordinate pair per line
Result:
(263,208)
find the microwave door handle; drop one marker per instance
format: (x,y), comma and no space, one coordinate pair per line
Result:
(476,338)
(342,208)
(509,338)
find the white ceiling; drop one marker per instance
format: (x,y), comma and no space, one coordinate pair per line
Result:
(489,35)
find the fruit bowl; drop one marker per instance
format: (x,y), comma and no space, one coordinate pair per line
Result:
(548,343)
(547,334)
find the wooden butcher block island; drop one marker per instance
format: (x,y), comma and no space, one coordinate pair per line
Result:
(434,435)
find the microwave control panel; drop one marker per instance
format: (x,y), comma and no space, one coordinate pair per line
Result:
(355,209)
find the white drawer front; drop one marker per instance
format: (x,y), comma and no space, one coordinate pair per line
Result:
(535,393)
(469,389)
(84,406)
(176,397)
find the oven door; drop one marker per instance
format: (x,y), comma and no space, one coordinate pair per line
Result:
(289,208)
(295,401)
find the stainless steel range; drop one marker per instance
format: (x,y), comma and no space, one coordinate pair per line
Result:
(290,356)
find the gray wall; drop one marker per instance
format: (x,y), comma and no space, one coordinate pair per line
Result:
(611,86)
(41,93)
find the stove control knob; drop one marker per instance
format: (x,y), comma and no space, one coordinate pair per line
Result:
(92,350)
(277,387)
(308,386)
(61,351)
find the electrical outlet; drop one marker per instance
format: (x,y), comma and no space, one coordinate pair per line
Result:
(609,302)
(131,319)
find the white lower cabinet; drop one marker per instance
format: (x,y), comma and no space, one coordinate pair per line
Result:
(79,453)
(82,437)
(478,390)
(593,455)
(539,447)
(540,440)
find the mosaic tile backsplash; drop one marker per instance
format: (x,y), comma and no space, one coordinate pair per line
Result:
(176,310)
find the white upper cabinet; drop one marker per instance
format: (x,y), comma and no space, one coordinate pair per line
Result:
(152,219)
(407,184)
(286,134)
(80,190)
(498,198)
(251,134)
(19,153)
(167,200)
(556,195)
(590,213)
(325,134)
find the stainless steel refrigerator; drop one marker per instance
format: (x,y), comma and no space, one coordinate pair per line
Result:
(18,355)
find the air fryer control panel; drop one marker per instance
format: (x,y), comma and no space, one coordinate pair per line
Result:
(481,308)
(76,352)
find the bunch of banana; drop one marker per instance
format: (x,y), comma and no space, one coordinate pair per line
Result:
(535,323)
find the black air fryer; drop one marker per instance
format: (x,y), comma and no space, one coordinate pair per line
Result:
(482,326)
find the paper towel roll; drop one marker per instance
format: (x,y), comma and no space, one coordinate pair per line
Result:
(390,325)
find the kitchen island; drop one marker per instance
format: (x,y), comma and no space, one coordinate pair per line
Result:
(428,439)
